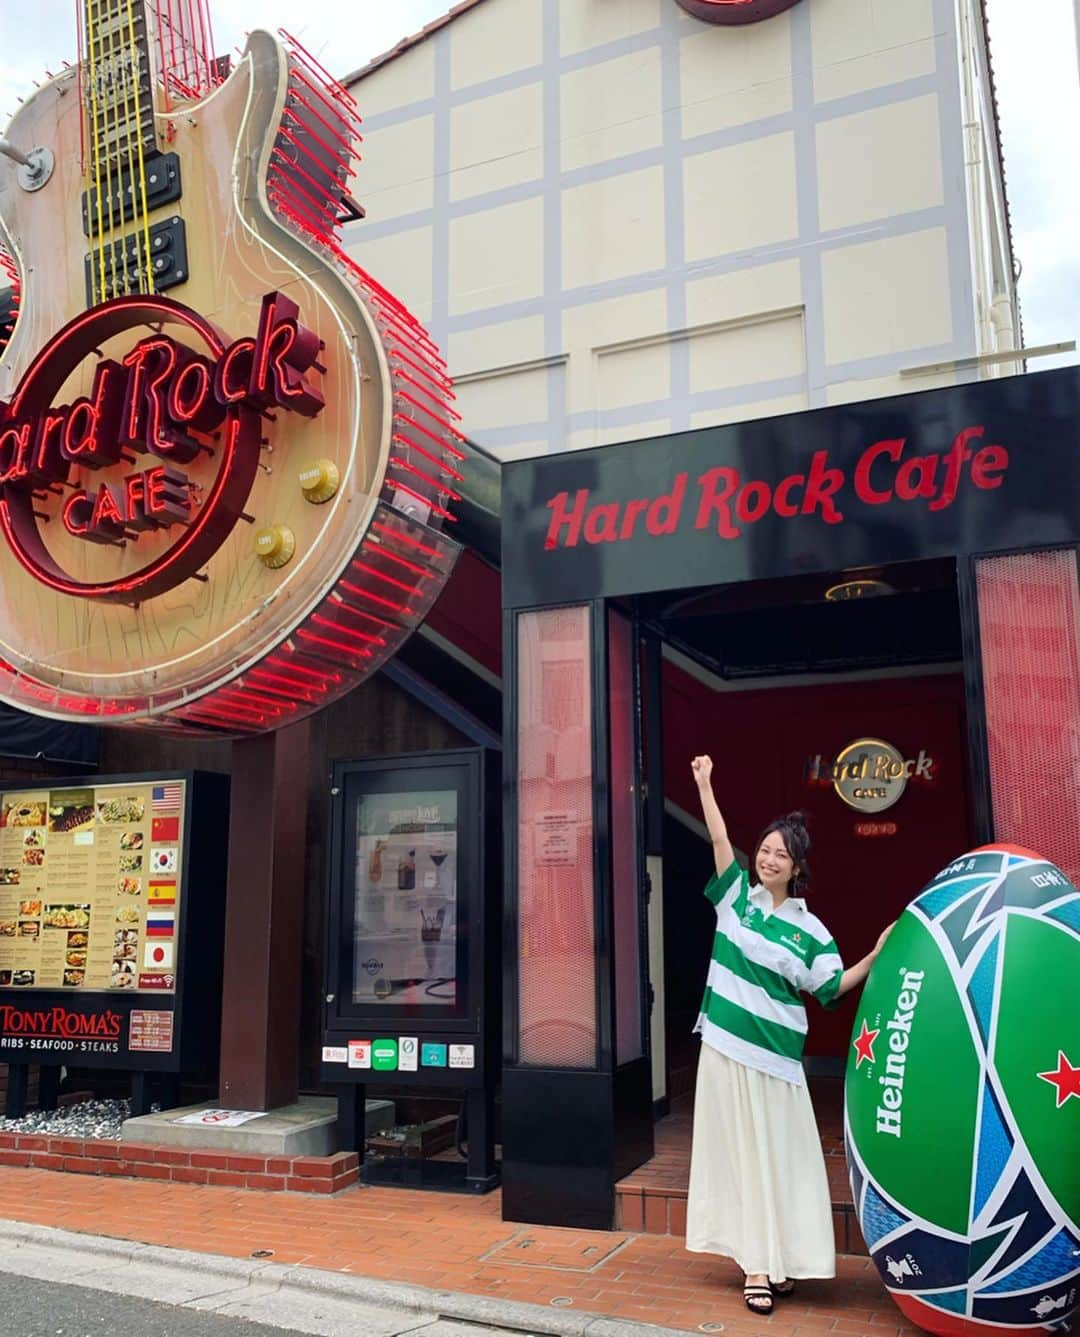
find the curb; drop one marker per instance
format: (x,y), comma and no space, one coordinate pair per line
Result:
(238,1276)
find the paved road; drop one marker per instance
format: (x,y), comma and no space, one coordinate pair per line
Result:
(43,1309)
(47,1309)
(58,1283)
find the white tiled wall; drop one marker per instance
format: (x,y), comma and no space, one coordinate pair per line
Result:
(620,221)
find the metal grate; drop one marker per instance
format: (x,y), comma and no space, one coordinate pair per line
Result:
(1029,616)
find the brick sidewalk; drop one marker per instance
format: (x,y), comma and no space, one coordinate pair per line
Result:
(449,1242)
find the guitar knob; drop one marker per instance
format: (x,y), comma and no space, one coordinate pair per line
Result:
(320,481)
(274,545)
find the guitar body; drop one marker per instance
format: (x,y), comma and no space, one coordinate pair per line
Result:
(148,655)
(237,249)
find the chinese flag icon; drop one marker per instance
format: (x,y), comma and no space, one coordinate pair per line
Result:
(165,828)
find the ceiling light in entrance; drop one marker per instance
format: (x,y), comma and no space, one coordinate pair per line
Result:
(857,589)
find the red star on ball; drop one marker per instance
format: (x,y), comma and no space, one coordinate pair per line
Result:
(863,1045)
(1066,1078)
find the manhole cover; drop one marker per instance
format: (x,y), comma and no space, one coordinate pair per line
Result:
(561,1249)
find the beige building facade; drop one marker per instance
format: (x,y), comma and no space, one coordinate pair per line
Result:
(621,221)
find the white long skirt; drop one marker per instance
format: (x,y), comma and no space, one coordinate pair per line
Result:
(758,1188)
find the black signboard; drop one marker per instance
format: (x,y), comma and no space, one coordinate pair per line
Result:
(112,895)
(976,468)
(412,956)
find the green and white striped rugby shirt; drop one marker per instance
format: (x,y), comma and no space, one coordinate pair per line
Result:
(762,959)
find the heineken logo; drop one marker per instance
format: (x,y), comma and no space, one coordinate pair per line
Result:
(863,1044)
(890,1109)
(1065,1078)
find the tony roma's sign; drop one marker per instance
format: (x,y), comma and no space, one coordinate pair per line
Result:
(969,469)
(89,1032)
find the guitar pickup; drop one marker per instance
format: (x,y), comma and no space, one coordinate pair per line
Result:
(124,262)
(124,198)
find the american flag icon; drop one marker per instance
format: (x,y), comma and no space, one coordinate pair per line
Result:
(166,798)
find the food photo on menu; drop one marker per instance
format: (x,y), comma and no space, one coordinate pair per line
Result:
(122,975)
(125,944)
(19,812)
(71,811)
(67,916)
(125,808)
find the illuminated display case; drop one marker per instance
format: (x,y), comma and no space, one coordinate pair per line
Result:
(112,895)
(412,956)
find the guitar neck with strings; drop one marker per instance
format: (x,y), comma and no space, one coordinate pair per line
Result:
(128,176)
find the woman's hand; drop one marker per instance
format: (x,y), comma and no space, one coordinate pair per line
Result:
(723,854)
(882,938)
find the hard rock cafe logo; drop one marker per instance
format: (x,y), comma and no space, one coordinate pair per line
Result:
(163,399)
(869,774)
(736,11)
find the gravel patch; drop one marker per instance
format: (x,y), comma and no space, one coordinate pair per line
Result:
(87,1118)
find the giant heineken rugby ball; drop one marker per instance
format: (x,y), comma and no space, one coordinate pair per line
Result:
(962,1118)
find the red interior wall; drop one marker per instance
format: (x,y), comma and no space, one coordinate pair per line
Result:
(760,740)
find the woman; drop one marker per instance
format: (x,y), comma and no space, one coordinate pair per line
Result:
(758,1190)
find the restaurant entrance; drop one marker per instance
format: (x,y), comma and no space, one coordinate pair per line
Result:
(818,695)
(830,603)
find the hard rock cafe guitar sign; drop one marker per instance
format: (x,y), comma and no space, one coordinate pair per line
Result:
(226,452)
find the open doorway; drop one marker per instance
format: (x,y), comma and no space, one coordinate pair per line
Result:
(781,682)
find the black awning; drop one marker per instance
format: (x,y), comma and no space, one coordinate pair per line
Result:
(37,738)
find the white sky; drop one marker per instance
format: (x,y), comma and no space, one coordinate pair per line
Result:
(1035,62)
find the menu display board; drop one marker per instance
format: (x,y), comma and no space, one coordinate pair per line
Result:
(405,892)
(90,884)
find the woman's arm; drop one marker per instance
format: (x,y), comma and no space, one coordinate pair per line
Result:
(723,854)
(854,975)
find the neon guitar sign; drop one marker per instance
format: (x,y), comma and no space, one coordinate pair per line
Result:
(227,453)
(153,402)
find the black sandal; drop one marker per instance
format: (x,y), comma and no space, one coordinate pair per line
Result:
(782,1287)
(758,1299)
